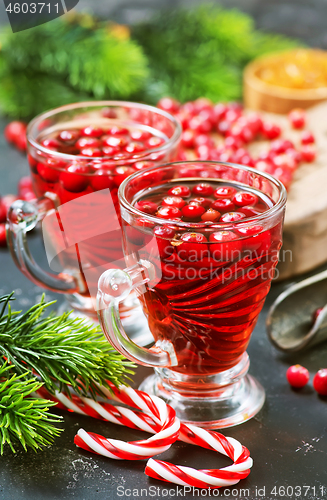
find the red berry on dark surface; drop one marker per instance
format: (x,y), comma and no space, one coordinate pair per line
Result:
(297,376)
(14,130)
(320,382)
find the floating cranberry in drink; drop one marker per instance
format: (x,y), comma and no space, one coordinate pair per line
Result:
(202,275)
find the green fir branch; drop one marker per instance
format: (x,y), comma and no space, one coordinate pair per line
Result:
(67,60)
(65,353)
(24,419)
(202,51)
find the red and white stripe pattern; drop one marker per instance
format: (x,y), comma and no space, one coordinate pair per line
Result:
(165,428)
(158,418)
(205,478)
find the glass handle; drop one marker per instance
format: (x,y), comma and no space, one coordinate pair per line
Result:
(23,217)
(114,286)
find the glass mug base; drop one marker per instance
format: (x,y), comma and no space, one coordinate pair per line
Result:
(223,400)
(132,316)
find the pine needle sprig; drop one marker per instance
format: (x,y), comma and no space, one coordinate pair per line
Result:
(202,51)
(81,56)
(24,419)
(66,353)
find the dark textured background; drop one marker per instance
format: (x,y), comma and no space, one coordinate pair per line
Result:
(287,439)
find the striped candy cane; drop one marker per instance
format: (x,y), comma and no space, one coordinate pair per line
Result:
(158,418)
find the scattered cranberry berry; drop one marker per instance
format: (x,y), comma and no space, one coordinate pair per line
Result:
(297,376)
(320,382)
(308,153)
(307,137)
(297,118)
(15,133)
(271,131)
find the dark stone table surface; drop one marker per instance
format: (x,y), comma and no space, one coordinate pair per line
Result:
(287,439)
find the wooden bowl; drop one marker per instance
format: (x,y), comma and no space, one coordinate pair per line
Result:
(260,95)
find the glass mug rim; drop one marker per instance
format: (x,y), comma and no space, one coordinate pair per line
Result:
(279,205)
(32,127)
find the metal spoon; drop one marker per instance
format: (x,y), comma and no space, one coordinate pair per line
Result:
(290,324)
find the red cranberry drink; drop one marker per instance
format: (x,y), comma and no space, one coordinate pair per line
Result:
(79,155)
(207,236)
(215,273)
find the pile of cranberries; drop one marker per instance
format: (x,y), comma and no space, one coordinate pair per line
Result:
(213,205)
(204,203)
(224,132)
(94,142)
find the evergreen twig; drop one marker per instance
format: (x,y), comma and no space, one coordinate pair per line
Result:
(24,419)
(66,353)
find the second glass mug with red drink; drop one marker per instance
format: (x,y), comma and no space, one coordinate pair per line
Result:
(201,243)
(78,154)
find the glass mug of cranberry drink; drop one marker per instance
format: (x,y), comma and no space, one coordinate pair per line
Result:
(79,154)
(201,243)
